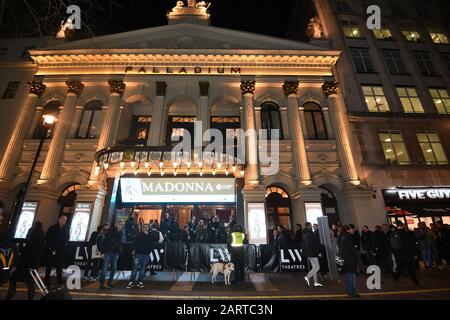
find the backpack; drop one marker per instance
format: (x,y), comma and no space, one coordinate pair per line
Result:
(396,242)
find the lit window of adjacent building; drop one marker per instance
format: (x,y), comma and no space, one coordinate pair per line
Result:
(375,99)
(410,34)
(351,29)
(424,63)
(11,90)
(394,147)
(394,61)
(438,36)
(91,121)
(441,100)
(382,34)
(341,6)
(432,148)
(362,60)
(410,101)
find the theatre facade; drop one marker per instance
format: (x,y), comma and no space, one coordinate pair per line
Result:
(121,101)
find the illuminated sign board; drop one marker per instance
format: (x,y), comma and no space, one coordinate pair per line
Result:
(257,230)
(313,211)
(80,221)
(416,194)
(178,190)
(26,219)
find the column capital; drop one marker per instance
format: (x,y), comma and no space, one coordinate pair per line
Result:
(117,86)
(204,88)
(161,87)
(248,87)
(290,88)
(36,87)
(75,87)
(330,88)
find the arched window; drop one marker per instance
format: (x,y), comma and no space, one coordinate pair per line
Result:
(270,118)
(51,108)
(90,124)
(315,124)
(278,205)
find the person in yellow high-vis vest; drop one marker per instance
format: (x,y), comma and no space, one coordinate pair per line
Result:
(237,252)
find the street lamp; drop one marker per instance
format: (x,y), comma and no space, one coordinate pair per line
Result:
(48,121)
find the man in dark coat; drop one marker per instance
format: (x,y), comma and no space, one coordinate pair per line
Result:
(298,236)
(282,237)
(193,227)
(111,248)
(380,249)
(212,228)
(405,252)
(56,237)
(311,251)
(31,258)
(170,228)
(366,247)
(349,254)
(93,263)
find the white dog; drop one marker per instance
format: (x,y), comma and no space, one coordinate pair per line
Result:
(225,268)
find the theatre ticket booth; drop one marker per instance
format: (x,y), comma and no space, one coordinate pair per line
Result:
(412,205)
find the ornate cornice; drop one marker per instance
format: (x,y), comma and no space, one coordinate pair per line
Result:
(117,86)
(36,87)
(75,87)
(290,87)
(330,88)
(248,87)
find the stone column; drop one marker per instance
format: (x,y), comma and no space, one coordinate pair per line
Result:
(285,123)
(57,145)
(12,152)
(155,136)
(110,123)
(340,123)
(298,141)
(326,117)
(252,171)
(79,110)
(203,112)
(303,122)
(34,123)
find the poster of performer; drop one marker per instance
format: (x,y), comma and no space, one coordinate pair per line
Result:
(25,220)
(80,221)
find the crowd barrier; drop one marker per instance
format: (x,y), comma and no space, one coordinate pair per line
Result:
(197,258)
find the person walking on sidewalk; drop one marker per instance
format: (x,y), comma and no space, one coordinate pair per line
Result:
(111,247)
(349,254)
(56,237)
(141,256)
(311,251)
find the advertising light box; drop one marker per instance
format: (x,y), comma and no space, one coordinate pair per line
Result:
(80,221)
(313,211)
(257,230)
(25,220)
(178,190)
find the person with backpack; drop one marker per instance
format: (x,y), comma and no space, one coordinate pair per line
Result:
(31,258)
(403,243)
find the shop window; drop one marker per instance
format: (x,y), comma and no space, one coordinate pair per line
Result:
(394,147)
(271,119)
(410,101)
(394,62)
(375,99)
(11,90)
(441,100)
(424,63)
(91,121)
(432,148)
(177,128)
(351,29)
(438,36)
(41,131)
(383,34)
(410,34)
(362,60)
(140,128)
(315,123)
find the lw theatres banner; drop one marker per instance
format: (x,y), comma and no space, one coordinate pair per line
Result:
(178,190)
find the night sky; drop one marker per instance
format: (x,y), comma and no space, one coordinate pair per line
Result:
(263,17)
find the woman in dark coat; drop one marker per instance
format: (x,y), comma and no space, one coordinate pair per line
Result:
(349,255)
(31,258)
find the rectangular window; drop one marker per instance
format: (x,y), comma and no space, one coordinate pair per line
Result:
(410,33)
(394,147)
(383,34)
(394,61)
(351,29)
(424,63)
(432,148)
(341,6)
(410,101)
(375,99)
(441,100)
(362,60)
(438,36)
(11,90)
(140,128)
